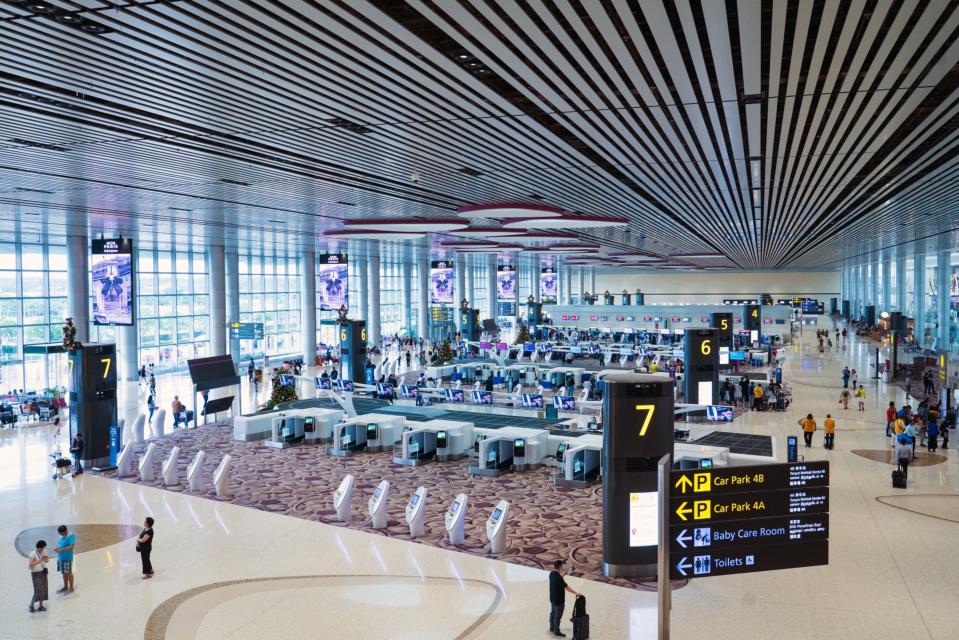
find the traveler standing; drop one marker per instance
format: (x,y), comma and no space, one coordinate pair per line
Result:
(933,434)
(37,563)
(861,395)
(744,389)
(250,369)
(757,397)
(903,452)
(844,398)
(855,378)
(76,448)
(145,547)
(557,598)
(177,408)
(829,426)
(64,551)
(890,418)
(845,377)
(151,407)
(808,425)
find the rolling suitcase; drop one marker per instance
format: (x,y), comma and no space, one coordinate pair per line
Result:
(580,619)
(898,479)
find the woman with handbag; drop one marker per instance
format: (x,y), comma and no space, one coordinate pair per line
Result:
(37,563)
(145,546)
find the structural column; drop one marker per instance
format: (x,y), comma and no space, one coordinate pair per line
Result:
(78,284)
(582,284)
(943,277)
(459,282)
(406,288)
(362,290)
(534,279)
(216,285)
(423,297)
(491,286)
(308,306)
(231,267)
(470,291)
(520,296)
(592,280)
(567,288)
(373,320)
(919,297)
(901,284)
(887,290)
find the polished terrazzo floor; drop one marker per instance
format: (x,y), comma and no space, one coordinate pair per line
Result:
(227,571)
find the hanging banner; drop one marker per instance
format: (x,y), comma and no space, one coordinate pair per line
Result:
(506,282)
(548,285)
(441,281)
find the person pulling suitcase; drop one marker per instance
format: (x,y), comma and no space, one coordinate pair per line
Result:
(557,598)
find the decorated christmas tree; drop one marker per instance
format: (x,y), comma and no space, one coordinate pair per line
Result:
(522,335)
(280,393)
(445,353)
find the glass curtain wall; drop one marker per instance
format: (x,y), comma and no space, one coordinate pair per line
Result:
(33,303)
(173,307)
(270,293)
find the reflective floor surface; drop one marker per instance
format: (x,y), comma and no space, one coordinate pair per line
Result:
(231,572)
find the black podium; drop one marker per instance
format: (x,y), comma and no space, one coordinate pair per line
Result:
(93,400)
(353,350)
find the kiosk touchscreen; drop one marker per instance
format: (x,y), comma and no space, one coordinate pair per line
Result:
(496,527)
(456,520)
(372,431)
(560,451)
(519,448)
(442,440)
(377,504)
(416,512)
(343,499)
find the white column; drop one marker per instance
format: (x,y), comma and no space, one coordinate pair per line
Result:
(470,281)
(308,306)
(407,293)
(216,285)
(567,288)
(78,284)
(919,291)
(127,353)
(459,284)
(534,273)
(582,284)
(592,280)
(520,296)
(943,277)
(901,284)
(362,289)
(231,266)
(423,297)
(887,292)
(373,320)
(491,287)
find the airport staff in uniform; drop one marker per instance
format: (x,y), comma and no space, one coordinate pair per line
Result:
(830,429)
(557,598)
(808,428)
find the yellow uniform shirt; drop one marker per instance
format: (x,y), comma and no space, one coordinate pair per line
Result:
(758,392)
(830,425)
(808,425)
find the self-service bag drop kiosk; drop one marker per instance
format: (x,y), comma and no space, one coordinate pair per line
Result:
(496,527)
(377,504)
(349,438)
(416,512)
(343,499)
(456,520)
(495,456)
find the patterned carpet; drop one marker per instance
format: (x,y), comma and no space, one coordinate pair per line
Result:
(546,522)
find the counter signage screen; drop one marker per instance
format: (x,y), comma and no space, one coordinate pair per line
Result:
(719,413)
(506,282)
(323,383)
(111,263)
(482,397)
(334,280)
(287,380)
(441,281)
(346,385)
(533,400)
(455,395)
(548,285)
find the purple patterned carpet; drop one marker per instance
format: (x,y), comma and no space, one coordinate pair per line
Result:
(546,522)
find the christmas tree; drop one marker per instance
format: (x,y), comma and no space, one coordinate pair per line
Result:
(445,353)
(522,335)
(280,393)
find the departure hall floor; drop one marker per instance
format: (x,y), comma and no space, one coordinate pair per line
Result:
(225,571)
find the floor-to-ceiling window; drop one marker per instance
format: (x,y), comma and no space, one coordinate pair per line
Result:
(173,306)
(269,293)
(33,289)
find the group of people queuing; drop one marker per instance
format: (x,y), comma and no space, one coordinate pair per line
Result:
(38,559)
(923,426)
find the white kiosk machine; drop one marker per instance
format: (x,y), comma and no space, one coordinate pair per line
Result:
(377,504)
(416,512)
(343,499)
(456,520)
(496,527)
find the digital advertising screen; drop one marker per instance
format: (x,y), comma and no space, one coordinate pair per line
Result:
(111,263)
(548,285)
(506,282)
(333,291)
(441,281)
(482,397)
(719,414)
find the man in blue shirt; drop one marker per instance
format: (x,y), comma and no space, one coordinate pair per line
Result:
(64,550)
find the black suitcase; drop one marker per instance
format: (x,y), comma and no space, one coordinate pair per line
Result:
(581,627)
(898,479)
(580,619)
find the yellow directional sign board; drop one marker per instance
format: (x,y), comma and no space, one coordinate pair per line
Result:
(765,477)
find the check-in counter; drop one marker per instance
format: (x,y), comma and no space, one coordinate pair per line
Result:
(259,426)
(382,429)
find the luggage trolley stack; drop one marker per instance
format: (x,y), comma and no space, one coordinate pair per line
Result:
(61,465)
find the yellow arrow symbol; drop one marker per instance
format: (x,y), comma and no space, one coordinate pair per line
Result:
(682,510)
(683,483)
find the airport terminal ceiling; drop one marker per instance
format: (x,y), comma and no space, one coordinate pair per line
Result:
(745,134)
